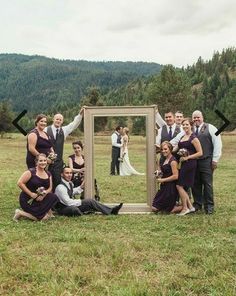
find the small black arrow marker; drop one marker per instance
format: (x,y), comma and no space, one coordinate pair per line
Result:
(226,122)
(15,122)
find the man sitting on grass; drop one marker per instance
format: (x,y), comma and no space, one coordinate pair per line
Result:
(68,206)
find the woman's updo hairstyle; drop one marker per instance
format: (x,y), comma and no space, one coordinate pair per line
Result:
(168,144)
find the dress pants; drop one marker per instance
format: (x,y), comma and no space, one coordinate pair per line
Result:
(87,205)
(203,185)
(115,164)
(55,169)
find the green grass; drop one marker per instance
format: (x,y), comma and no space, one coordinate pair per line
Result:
(118,255)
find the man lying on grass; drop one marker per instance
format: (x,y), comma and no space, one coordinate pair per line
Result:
(68,206)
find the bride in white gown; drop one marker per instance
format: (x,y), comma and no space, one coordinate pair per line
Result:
(126,168)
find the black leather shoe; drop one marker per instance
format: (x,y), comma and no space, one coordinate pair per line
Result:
(116,209)
(209,212)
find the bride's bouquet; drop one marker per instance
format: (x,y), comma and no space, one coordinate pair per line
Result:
(121,159)
(40,192)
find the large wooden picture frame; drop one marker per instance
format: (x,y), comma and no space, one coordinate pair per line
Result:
(149,112)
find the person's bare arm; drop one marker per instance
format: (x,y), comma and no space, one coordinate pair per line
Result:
(32,141)
(22,184)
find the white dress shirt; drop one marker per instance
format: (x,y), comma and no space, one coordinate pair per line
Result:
(64,197)
(159,120)
(158,137)
(67,129)
(216,140)
(114,140)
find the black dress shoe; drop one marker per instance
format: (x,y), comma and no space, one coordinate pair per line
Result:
(116,209)
(209,212)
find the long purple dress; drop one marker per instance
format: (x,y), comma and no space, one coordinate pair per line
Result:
(38,208)
(42,146)
(166,197)
(76,179)
(188,168)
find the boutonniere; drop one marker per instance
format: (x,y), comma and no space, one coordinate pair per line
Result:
(203,128)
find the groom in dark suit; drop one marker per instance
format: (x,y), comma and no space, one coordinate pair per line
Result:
(115,154)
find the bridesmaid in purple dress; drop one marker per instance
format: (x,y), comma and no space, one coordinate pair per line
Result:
(36,206)
(38,141)
(76,163)
(165,199)
(188,163)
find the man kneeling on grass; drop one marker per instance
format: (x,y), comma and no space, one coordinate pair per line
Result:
(68,206)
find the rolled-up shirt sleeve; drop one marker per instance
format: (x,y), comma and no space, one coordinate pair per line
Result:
(64,197)
(175,141)
(159,120)
(217,143)
(68,129)
(158,137)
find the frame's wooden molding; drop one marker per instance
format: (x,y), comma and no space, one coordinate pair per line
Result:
(147,111)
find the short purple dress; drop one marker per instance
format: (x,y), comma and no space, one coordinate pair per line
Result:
(42,146)
(188,168)
(38,208)
(166,197)
(76,179)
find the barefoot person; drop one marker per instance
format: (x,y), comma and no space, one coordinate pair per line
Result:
(36,199)
(68,206)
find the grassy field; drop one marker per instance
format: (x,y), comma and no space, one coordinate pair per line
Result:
(118,255)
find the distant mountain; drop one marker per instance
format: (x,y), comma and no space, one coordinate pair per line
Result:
(41,84)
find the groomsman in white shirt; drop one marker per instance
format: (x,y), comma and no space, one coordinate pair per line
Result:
(58,134)
(169,130)
(206,164)
(69,206)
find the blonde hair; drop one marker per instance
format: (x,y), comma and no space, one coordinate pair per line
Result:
(126,130)
(168,144)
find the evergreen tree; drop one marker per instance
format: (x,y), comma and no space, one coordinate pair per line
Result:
(6,118)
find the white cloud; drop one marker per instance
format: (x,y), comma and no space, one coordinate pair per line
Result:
(163,31)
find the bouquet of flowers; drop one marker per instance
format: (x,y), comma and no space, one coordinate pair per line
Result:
(121,159)
(158,174)
(182,153)
(52,156)
(40,192)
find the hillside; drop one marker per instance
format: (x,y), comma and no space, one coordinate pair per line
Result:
(206,85)
(39,83)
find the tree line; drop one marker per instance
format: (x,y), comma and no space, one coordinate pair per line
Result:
(50,85)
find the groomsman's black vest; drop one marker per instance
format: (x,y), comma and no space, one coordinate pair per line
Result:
(60,205)
(165,134)
(69,190)
(58,144)
(206,141)
(118,139)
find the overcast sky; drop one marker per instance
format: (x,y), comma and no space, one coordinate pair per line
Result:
(164,31)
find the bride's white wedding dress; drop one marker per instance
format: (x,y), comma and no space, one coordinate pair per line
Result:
(126,168)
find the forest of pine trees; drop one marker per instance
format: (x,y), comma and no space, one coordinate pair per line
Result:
(49,85)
